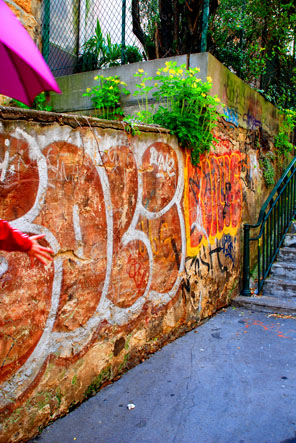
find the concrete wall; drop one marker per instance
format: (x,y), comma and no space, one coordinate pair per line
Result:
(244,106)
(146,247)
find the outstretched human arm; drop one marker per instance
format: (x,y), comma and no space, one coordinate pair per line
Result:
(40,252)
(12,239)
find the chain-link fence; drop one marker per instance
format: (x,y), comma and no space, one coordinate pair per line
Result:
(81,35)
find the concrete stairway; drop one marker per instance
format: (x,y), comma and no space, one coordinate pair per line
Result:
(279,290)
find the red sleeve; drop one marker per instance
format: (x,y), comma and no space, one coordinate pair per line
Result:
(13,240)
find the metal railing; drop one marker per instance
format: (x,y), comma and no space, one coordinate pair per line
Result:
(273,223)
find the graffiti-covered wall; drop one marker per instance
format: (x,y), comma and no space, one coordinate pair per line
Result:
(146,246)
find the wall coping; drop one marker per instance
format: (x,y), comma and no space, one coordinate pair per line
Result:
(73,120)
(244,106)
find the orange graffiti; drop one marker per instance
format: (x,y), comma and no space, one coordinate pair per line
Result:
(213,199)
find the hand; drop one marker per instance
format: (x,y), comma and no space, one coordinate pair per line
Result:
(40,252)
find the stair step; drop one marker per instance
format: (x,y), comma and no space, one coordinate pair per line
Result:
(267,304)
(279,287)
(287,253)
(290,240)
(284,269)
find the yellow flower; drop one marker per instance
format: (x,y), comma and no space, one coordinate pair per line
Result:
(96,77)
(117,81)
(217,99)
(171,71)
(209,79)
(123,83)
(171,76)
(155,84)
(111,87)
(198,80)
(166,69)
(88,90)
(141,70)
(203,94)
(157,73)
(142,84)
(167,63)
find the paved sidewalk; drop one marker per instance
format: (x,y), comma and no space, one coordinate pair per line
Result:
(233,379)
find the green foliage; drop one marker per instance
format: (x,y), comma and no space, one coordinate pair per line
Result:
(106,96)
(99,52)
(132,54)
(256,40)
(40,103)
(268,168)
(185,106)
(92,49)
(283,139)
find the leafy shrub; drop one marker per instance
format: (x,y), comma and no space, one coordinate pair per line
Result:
(132,54)
(268,168)
(283,139)
(105,96)
(185,106)
(40,103)
(99,52)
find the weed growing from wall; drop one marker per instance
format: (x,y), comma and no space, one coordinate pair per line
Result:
(40,103)
(105,97)
(266,164)
(184,106)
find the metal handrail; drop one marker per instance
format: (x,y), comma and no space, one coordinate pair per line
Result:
(274,220)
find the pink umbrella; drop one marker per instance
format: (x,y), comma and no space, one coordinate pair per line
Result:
(23,73)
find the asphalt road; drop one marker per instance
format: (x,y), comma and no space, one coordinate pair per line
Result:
(233,379)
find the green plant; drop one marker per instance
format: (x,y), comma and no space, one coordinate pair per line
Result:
(283,139)
(99,52)
(130,126)
(40,103)
(106,96)
(268,168)
(185,106)
(132,54)
(256,40)
(111,54)
(91,50)
(144,115)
